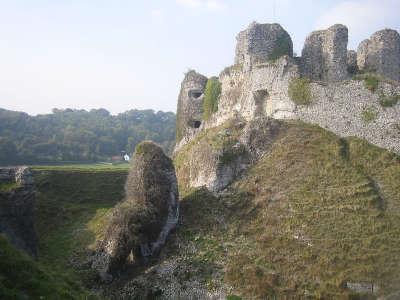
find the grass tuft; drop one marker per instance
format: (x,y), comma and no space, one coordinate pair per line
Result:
(369,114)
(371,80)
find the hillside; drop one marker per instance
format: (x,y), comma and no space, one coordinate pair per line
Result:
(79,135)
(315,215)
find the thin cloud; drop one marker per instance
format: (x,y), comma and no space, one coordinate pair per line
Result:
(362,17)
(157,15)
(211,5)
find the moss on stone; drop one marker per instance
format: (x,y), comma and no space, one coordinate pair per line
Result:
(389,101)
(300,91)
(369,114)
(283,47)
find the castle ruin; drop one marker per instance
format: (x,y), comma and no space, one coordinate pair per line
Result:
(257,86)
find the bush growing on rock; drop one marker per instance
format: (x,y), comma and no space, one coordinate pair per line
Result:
(300,91)
(211,97)
(140,224)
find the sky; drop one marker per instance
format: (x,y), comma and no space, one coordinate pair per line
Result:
(130,54)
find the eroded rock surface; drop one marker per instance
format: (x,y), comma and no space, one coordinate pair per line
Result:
(17,208)
(141,223)
(381,54)
(230,149)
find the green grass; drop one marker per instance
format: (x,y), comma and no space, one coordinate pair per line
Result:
(72,208)
(300,91)
(23,278)
(389,101)
(100,167)
(371,80)
(316,212)
(211,97)
(369,114)
(8,186)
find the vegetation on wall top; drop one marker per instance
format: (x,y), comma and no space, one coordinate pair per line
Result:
(211,97)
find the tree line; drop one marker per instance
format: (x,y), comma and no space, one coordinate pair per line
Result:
(69,135)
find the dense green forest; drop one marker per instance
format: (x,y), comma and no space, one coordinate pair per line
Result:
(78,135)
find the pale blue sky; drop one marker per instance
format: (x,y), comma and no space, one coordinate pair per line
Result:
(122,54)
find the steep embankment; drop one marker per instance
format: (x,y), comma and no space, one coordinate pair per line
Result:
(316,216)
(71,209)
(24,278)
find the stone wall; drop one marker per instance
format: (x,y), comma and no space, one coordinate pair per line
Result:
(263,91)
(339,108)
(17,209)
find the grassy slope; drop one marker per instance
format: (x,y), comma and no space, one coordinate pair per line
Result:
(72,203)
(72,206)
(316,212)
(21,277)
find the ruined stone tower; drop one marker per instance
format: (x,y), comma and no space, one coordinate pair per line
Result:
(325,54)
(260,43)
(381,54)
(190,104)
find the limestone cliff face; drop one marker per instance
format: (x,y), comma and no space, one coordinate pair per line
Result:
(254,88)
(17,208)
(141,223)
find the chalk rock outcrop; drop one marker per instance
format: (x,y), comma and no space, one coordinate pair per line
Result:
(228,150)
(381,54)
(325,54)
(190,104)
(17,208)
(260,43)
(141,223)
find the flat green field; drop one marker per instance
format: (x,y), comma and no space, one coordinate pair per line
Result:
(82,167)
